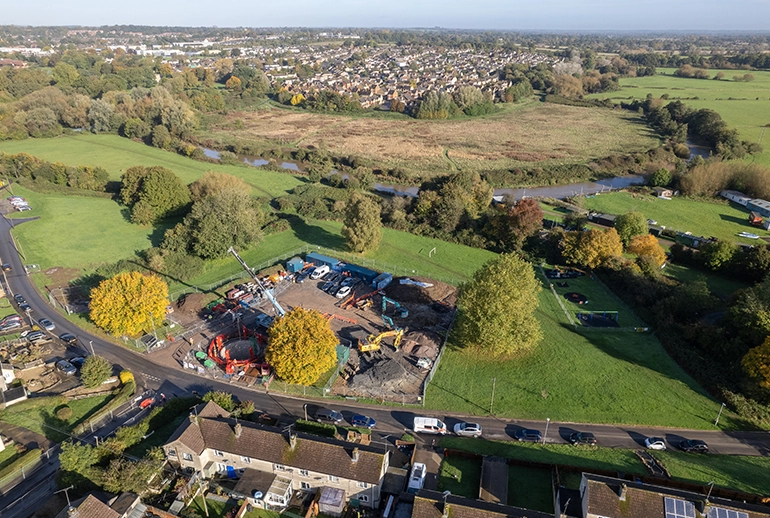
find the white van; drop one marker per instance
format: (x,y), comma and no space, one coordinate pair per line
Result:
(417,479)
(429,425)
(319,272)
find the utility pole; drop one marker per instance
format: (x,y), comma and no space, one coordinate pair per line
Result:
(492,399)
(716,423)
(66,489)
(91,343)
(547,422)
(711,487)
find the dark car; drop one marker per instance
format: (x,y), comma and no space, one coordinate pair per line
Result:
(77,362)
(325,415)
(301,277)
(525,435)
(6,267)
(24,306)
(19,299)
(694,446)
(363,421)
(582,438)
(68,338)
(334,289)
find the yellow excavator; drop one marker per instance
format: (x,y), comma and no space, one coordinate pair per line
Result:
(373,341)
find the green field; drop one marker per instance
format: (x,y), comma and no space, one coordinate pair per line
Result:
(743,473)
(721,219)
(115,154)
(591,376)
(744,106)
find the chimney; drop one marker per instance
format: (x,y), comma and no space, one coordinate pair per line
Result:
(354,455)
(238,429)
(292,440)
(72,512)
(622,492)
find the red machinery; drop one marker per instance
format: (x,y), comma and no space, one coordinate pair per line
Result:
(220,353)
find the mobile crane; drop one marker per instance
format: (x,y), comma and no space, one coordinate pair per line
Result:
(269,296)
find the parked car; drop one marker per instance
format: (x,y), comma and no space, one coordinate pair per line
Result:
(301,277)
(527,435)
(417,478)
(7,267)
(582,438)
(22,208)
(320,272)
(350,281)
(46,324)
(363,421)
(77,362)
(333,290)
(25,307)
(36,336)
(14,198)
(694,446)
(468,429)
(68,338)
(655,443)
(12,324)
(343,292)
(66,367)
(325,415)
(19,299)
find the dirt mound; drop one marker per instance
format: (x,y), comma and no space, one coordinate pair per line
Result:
(422,344)
(190,303)
(386,377)
(411,293)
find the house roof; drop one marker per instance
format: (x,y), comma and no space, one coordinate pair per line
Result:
(430,504)
(312,453)
(92,507)
(254,480)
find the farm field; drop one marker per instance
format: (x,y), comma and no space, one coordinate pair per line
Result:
(744,106)
(742,473)
(591,376)
(723,219)
(518,135)
(116,154)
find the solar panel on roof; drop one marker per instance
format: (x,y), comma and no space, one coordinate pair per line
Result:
(676,508)
(719,512)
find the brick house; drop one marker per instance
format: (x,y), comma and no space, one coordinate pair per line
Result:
(277,463)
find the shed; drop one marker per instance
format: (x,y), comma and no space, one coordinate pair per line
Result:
(319,259)
(294,265)
(761,206)
(331,501)
(382,281)
(608,220)
(365,274)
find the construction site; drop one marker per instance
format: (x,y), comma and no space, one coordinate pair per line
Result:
(390,329)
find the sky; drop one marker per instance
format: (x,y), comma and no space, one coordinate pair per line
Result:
(569,15)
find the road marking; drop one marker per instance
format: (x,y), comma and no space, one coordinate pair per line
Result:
(151,377)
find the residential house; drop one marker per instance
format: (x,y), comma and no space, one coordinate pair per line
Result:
(432,504)
(212,443)
(126,505)
(606,497)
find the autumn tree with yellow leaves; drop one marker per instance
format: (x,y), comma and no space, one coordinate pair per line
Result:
(592,248)
(648,246)
(301,346)
(756,364)
(129,303)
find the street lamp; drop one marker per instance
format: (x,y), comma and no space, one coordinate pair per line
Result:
(716,423)
(91,343)
(492,399)
(547,422)
(711,487)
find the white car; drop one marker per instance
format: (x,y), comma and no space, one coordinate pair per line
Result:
(468,429)
(319,272)
(343,292)
(22,208)
(417,478)
(655,443)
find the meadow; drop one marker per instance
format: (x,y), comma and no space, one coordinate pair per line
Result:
(720,218)
(520,135)
(743,105)
(116,154)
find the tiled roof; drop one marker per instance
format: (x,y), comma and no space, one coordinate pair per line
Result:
(92,507)
(211,410)
(326,456)
(430,504)
(603,500)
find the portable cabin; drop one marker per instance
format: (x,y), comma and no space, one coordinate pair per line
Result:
(294,265)
(360,272)
(736,197)
(320,260)
(761,206)
(382,281)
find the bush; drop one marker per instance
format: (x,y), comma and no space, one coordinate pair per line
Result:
(325,430)
(64,413)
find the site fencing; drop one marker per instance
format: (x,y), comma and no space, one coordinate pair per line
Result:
(437,361)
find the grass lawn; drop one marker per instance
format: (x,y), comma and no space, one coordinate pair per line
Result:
(590,376)
(216,509)
(460,476)
(43,420)
(721,286)
(530,488)
(8,456)
(115,154)
(744,106)
(743,473)
(723,220)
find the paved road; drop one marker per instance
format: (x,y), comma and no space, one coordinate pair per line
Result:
(175,381)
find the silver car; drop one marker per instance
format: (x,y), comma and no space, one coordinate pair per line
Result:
(468,429)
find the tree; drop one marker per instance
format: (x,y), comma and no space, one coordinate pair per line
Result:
(575,220)
(301,346)
(648,246)
(129,303)
(717,255)
(223,399)
(96,370)
(497,308)
(756,364)
(153,193)
(100,115)
(629,225)
(525,218)
(362,223)
(78,458)
(661,178)
(161,138)
(212,183)
(592,248)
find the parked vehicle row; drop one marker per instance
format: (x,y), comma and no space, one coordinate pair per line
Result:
(10,322)
(19,203)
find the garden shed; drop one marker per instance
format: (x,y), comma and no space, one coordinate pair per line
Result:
(331,501)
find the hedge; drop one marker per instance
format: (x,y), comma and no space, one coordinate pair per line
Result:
(21,461)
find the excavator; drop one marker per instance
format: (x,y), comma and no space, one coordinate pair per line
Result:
(373,341)
(401,311)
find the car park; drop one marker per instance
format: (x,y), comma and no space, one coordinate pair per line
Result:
(320,272)
(468,429)
(582,439)
(416,479)
(343,292)
(363,421)
(66,367)
(68,338)
(527,435)
(46,324)
(655,443)
(693,446)
(326,415)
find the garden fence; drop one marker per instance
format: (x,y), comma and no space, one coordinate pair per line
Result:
(26,469)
